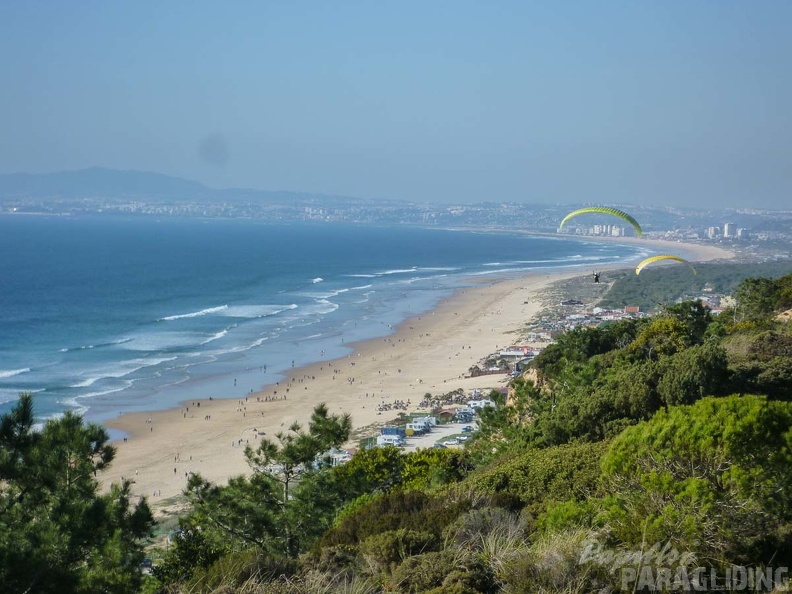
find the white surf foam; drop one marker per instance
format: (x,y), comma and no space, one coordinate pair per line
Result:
(513,262)
(8,396)
(195,314)
(496,271)
(4,373)
(216,336)
(86,382)
(96,346)
(82,409)
(157,341)
(319,306)
(256,311)
(397,271)
(326,295)
(12,394)
(120,369)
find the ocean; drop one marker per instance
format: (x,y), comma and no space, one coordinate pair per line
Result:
(105,315)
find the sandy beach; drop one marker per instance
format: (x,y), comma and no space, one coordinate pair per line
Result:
(430,353)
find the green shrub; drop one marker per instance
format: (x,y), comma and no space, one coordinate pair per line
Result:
(694,373)
(353,506)
(471,575)
(453,588)
(191,551)
(382,552)
(471,528)
(423,572)
(553,564)
(713,478)
(311,583)
(566,515)
(431,467)
(337,560)
(235,569)
(559,473)
(410,510)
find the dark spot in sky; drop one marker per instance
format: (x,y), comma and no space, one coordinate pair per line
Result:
(213,150)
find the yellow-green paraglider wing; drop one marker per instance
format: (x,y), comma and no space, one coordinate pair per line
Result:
(604,210)
(651,259)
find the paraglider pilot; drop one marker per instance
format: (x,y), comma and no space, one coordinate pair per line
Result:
(596,276)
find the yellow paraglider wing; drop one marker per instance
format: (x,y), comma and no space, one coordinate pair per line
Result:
(604,210)
(651,259)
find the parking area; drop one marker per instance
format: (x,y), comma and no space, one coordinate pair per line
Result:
(439,434)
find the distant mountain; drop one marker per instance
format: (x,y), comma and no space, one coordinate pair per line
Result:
(99,182)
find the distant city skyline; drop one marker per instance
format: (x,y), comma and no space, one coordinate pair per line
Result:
(674,103)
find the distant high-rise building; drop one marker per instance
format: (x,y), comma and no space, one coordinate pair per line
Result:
(729,230)
(713,232)
(742,233)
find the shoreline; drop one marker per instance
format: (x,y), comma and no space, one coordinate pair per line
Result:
(698,252)
(428,353)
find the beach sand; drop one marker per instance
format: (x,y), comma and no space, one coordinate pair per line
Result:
(430,353)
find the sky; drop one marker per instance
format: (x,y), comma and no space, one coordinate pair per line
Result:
(673,103)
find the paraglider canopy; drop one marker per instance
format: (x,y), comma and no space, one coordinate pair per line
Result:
(652,259)
(604,210)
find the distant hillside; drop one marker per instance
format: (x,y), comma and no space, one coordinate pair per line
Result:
(100,182)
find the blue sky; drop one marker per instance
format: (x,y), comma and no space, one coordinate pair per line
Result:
(673,102)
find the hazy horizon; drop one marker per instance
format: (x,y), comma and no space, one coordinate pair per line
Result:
(667,104)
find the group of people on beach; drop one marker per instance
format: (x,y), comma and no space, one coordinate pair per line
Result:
(395,405)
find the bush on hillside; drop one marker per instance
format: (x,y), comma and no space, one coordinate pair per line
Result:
(555,473)
(553,564)
(235,569)
(412,510)
(421,573)
(384,551)
(712,478)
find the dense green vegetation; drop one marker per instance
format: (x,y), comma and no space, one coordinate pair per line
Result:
(668,433)
(667,284)
(56,533)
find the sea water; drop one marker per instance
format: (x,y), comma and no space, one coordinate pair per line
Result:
(104,315)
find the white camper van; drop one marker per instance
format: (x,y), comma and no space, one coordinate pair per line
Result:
(386,440)
(418,427)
